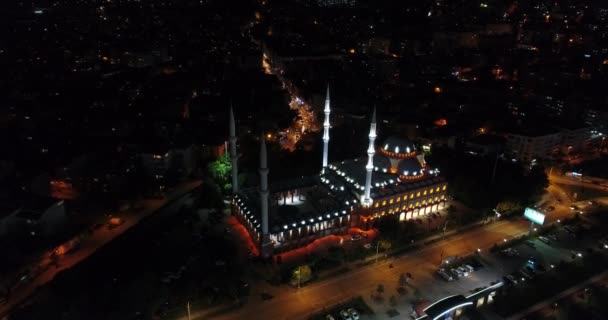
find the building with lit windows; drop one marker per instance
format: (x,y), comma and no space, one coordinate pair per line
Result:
(393,180)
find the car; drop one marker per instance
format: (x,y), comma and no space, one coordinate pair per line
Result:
(345,316)
(468,268)
(355,238)
(531,244)
(463,271)
(445,275)
(457,272)
(510,252)
(526,273)
(512,279)
(367,246)
(544,239)
(552,237)
(329,317)
(353,313)
(363,234)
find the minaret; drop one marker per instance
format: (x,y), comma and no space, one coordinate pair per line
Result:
(264,195)
(233,156)
(370,161)
(326,130)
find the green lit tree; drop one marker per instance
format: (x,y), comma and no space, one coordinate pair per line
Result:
(301,274)
(220,171)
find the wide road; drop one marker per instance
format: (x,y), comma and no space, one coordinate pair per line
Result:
(89,245)
(292,303)
(575,182)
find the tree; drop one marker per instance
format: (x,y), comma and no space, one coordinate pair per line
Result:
(301,274)
(507,207)
(220,170)
(385,244)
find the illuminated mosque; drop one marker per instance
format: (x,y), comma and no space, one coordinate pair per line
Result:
(393,179)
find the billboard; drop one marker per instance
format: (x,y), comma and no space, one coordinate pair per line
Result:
(534,216)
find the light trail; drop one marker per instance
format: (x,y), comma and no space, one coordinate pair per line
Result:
(305,122)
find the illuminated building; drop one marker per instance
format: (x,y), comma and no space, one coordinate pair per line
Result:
(393,180)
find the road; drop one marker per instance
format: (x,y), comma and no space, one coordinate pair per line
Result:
(90,245)
(289,303)
(574,182)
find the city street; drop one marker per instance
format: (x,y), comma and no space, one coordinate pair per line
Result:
(290,303)
(90,245)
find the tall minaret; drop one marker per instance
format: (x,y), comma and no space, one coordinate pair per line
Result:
(370,161)
(264,190)
(326,130)
(233,156)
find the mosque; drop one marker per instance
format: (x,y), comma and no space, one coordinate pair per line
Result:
(393,179)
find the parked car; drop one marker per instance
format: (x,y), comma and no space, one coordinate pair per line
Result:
(329,317)
(463,271)
(367,246)
(512,279)
(353,313)
(544,239)
(355,238)
(445,275)
(345,316)
(457,272)
(531,244)
(552,237)
(510,252)
(468,268)
(363,234)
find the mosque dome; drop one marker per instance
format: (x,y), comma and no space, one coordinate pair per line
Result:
(394,147)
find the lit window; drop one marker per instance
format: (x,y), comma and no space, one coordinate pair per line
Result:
(390,211)
(423,202)
(437,189)
(411,196)
(442,197)
(398,199)
(376,205)
(391,201)
(384,202)
(411,205)
(424,193)
(403,208)
(383,212)
(436,198)
(418,194)
(417,203)
(444,188)
(431,191)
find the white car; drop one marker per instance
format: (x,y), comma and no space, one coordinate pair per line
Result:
(329,317)
(457,272)
(353,313)
(345,316)
(468,268)
(462,270)
(545,240)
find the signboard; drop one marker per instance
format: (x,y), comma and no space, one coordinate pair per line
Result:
(534,216)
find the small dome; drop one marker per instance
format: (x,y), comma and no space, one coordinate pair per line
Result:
(410,167)
(398,145)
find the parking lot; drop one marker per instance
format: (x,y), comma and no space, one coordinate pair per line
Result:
(518,264)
